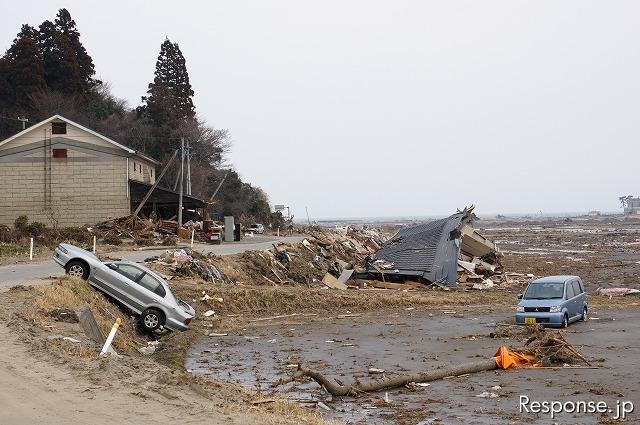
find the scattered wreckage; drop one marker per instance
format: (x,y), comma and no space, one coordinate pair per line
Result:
(447,251)
(440,253)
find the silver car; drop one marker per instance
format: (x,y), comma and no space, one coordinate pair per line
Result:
(141,290)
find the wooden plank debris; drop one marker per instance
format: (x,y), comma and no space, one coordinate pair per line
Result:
(333,283)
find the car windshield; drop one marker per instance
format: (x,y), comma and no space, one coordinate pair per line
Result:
(544,291)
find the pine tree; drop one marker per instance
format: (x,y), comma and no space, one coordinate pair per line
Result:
(66,25)
(169,104)
(23,70)
(68,68)
(170,93)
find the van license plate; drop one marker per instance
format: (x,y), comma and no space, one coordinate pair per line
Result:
(529,320)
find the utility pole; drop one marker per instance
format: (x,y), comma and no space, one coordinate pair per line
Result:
(189,168)
(181,184)
(308,220)
(24,120)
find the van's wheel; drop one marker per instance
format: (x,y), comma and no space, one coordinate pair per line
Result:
(151,319)
(565,321)
(77,268)
(585,317)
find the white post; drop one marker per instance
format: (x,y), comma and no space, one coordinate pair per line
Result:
(31,250)
(278,231)
(112,334)
(94,244)
(193,234)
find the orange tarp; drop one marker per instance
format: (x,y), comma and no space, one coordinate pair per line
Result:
(506,358)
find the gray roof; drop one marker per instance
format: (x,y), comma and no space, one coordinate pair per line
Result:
(428,250)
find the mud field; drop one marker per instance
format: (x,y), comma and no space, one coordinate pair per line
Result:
(412,341)
(604,251)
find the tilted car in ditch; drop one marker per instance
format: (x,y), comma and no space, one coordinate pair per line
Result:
(141,290)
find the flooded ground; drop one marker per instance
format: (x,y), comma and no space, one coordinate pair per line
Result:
(345,348)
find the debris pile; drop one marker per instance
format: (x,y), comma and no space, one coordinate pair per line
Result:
(317,261)
(189,263)
(616,292)
(144,231)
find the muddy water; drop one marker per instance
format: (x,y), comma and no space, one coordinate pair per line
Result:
(411,341)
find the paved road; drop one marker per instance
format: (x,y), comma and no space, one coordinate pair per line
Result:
(21,273)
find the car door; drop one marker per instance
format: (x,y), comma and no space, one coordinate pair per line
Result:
(569,303)
(580,297)
(124,278)
(150,290)
(107,278)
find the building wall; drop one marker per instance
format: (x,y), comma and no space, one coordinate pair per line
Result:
(142,171)
(87,187)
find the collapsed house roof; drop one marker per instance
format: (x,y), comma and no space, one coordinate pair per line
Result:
(431,250)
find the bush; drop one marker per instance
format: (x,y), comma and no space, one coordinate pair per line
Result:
(20,224)
(76,234)
(8,235)
(35,229)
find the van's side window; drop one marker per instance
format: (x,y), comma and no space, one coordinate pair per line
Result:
(576,287)
(570,293)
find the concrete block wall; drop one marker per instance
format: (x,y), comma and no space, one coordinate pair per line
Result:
(85,189)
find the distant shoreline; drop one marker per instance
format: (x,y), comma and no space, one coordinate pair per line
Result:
(409,218)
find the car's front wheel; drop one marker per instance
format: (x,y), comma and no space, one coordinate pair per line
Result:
(565,321)
(151,319)
(585,316)
(77,268)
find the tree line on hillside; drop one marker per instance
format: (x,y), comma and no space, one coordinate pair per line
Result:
(47,71)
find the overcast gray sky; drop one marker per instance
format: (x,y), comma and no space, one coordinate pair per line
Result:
(386,108)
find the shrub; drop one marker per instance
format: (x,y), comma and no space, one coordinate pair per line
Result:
(76,234)
(21,223)
(8,235)
(35,229)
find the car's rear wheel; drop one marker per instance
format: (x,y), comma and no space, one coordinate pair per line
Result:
(565,321)
(77,268)
(151,319)
(585,316)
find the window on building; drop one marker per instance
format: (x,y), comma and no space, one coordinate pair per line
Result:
(58,128)
(59,153)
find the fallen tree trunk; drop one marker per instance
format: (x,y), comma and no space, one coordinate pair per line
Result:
(338,389)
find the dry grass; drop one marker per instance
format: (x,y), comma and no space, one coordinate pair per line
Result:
(74,294)
(251,301)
